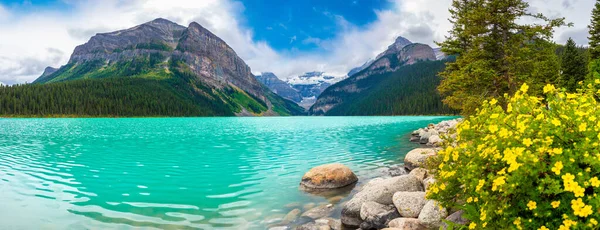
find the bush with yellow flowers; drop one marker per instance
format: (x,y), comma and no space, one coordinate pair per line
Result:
(532,164)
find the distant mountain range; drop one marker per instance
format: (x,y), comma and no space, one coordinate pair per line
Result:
(197,69)
(401,80)
(303,89)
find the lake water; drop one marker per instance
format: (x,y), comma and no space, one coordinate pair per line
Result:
(178,173)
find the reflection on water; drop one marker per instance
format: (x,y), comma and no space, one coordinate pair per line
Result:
(178,173)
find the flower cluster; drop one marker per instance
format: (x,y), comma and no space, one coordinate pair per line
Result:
(532,164)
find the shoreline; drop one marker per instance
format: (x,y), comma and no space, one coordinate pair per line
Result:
(382,201)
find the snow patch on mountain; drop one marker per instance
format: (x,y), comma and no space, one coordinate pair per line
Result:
(313,78)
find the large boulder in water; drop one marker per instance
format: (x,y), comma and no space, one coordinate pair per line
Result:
(328,176)
(376,216)
(380,191)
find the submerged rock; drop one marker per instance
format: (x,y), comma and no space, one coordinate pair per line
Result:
(328,176)
(291,216)
(318,212)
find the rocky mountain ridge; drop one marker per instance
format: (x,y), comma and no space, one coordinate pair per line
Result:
(401,53)
(161,49)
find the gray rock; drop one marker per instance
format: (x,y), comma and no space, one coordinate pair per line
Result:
(435,140)
(334,224)
(406,224)
(415,138)
(432,214)
(313,226)
(318,212)
(409,204)
(291,216)
(380,191)
(419,173)
(456,218)
(376,216)
(428,182)
(396,170)
(328,176)
(417,157)
(308,206)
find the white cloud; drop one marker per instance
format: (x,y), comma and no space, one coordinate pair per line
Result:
(32,41)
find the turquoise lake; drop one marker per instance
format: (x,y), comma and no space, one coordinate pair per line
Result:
(178,173)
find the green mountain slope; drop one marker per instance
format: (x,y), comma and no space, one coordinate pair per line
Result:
(410,90)
(158,68)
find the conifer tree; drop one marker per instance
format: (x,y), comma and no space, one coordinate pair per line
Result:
(594,39)
(496,53)
(595,32)
(573,66)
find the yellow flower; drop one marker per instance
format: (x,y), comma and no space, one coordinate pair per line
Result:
(472,225)
(543,228)
(493,128)
(481,182)
(498,182)
(580,208)
(549,88)
(593,221)
(532,205)
(524,88)
(527,142)
(557,167)
(555,204)
(555,122)
(503,133)
(493,101)
(595,182)
(582,127)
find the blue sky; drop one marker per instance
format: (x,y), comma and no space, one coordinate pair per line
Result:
(286,37)
(290,24)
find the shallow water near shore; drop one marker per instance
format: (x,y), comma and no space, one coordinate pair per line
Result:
(177,173)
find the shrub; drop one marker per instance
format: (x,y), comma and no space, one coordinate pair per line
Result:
(532,165)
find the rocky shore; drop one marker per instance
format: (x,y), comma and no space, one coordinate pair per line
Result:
(394,201)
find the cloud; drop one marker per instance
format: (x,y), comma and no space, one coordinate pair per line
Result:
(31,41)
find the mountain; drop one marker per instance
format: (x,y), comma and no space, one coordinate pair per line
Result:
(190,66)
(409,90)
(360,68)
(49,70)
(439,55)
(311,84)
(279,87)
(391,64)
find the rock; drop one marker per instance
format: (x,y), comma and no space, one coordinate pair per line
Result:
(427,182)
(291,216)
(334,224)
(430,126)
(424,138)
(415,138)
(456,218)
(293,205)
(406,224)
(380,191)
(308,206)
(417,157)
(419,173)
(435,140)
(409,204)
(432,214)
(313,226)
(318,212)
(376,216)
(328,176)
(396,170)
(335,199)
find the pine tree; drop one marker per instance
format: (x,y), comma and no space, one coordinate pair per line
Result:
(594,40)
(573,66)
(495,53)
(595,32)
